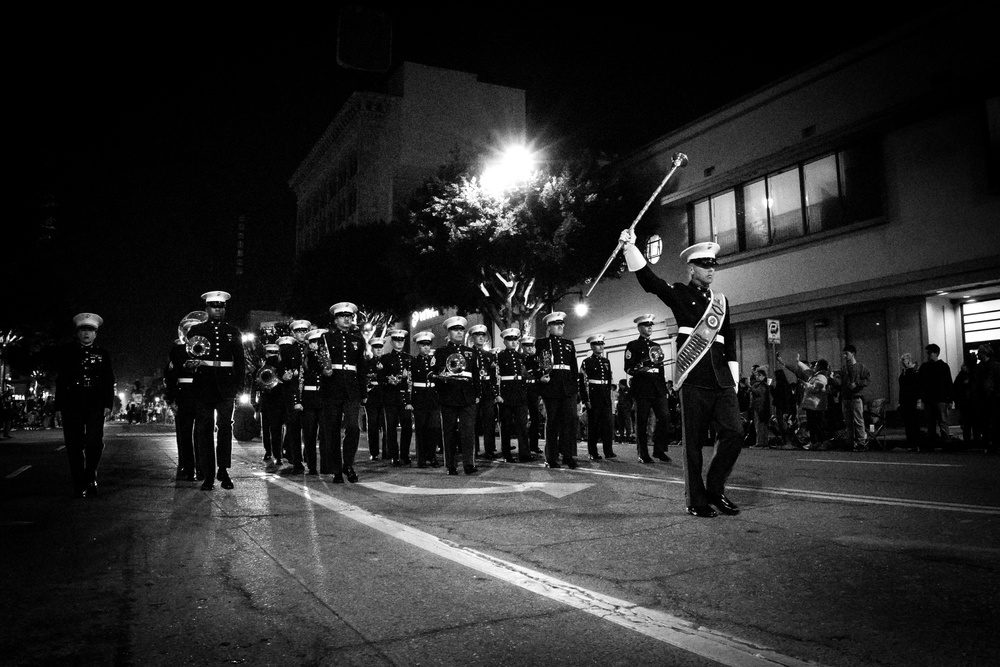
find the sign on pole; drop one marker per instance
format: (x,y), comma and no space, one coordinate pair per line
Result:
(774,332)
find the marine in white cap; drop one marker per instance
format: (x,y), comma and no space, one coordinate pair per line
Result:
(85,392)
(486,410)
(457,378)
(179,381)
(513,398)
(558,385)
(644,364)
(268,399)
(378,445)
(344,392)
(394,370)
(598,381)
(709,372)
(531,373)
(426,408)
(218,377)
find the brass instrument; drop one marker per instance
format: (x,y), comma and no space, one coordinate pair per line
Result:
(656,354)
(546,363)
(198,346)
(323,354)
(455,363)
(267,377)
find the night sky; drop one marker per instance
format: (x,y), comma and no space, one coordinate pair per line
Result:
(146,139)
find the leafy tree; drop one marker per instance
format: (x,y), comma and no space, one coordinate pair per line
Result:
(508,256)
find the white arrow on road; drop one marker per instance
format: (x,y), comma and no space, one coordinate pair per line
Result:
(555,489)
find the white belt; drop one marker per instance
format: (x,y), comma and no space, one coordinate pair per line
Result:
(217,364)
(597,382)
(509,378)
(719,338)
(344,367)
(310,387)
(185,380)
(652,370)
(464,374)
(373,384)
(561,367)
(422,384)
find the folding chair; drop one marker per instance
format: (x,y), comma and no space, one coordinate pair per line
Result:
(875,419)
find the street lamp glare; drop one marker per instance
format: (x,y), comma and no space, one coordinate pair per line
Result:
(515,165)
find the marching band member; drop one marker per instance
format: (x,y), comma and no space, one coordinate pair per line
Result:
(596,371)
(644,363)
(311,400)
(426,408)
(374,408)
(513,398)
(179,381)
(85,394)
(531,393)
(486,412)
(394,380)
(558,377)
(267,398)
(706,370)
(292,354)
(218,376)
(457,378)
(344,392)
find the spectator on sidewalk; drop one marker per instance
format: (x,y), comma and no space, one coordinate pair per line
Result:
(986,397)
(854,377)
(962,391)
(936,392)
(909,399)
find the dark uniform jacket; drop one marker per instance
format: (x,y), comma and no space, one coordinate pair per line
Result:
(311,380)
(424,394)
(291,360)
(179,380)
(688,304)
(596,374)
(465,389)
(223,368)
(648,380)
(490,385)
(564,376)
(511,367)
(86,380)
(395,385)
(350,366)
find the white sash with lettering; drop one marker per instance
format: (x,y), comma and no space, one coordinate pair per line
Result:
(701,339)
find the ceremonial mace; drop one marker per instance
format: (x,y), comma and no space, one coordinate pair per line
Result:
(678,160)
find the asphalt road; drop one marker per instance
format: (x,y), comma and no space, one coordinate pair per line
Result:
(837,559)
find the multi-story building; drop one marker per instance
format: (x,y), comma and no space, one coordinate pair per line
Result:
(381,146)
(855,202)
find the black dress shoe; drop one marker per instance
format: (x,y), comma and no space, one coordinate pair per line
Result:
(725,505)
(298,470)
(704,511)
(612,455)
(570,463)
(312,471)
(552,464)
(662,457)
(536,450)
(421,464)
(352,476)
(207,485)
(452,471)
(223,476)
(509,459)
(405,461)
(645,459)
(595,457)
(435,463)
(373,458)
(92,490)
(526,459)
(470,470)
(489,456)
(395,463)
(338,479)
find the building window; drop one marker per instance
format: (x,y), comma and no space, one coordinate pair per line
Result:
(818,195)
(654,248)
(981,321)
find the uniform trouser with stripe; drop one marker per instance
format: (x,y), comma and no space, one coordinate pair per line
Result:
(599,425)
(560,428)
(313,428)
(292,443)
(701,410)
(83,431)
(661,432)
(398,445)
(486,424)
(427,432)
(376,422)
(340,444)
(514,421)
(534,421)
(271,419)
(184,429)
(214,448)
(458,426)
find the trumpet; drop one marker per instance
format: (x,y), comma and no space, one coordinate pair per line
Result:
(455,363)
(198,346)
(323,354)
(268,377)
(656,355)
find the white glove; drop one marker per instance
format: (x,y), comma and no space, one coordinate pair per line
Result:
(633,257)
